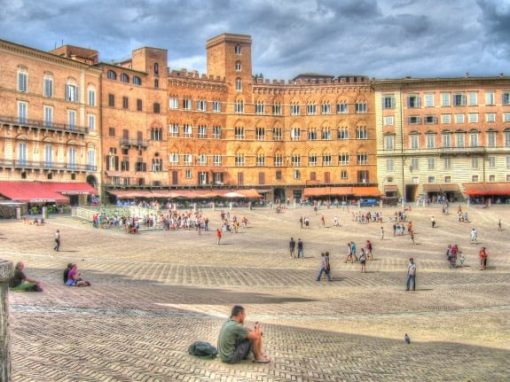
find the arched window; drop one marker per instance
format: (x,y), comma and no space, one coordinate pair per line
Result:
(91,96)
(239,84)
(238,66)
(111,75)
(237,49)
(137,80)
(124,77)
(156,68)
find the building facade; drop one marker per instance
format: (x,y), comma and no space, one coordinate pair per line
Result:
(442,136)
(49,116)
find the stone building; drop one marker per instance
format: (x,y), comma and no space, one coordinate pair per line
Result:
(443,136)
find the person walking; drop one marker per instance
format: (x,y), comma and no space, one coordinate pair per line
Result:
(474,235)
(349,253)
(323,221)
(362,260)
(218,236)
(370,254)
(382,232)
(411,235)
(353,250)
(499,226)
(325,267)
(57,241)
(301,222)
(483,259)
(433,222)
(411,275)
(300,249)
(292,247)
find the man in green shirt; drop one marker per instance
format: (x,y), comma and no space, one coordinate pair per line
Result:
(236,341)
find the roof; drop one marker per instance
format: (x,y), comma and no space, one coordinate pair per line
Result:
(43,192)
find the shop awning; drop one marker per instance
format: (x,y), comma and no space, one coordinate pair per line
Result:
(327,191)
(441,187)
(487,189)
(185,194)
(366,191)
(43,192)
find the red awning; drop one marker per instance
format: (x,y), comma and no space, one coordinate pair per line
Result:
(43,192)
(487,189)
(326,191)
(366,191)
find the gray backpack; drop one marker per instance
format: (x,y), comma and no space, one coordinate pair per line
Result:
(203,350)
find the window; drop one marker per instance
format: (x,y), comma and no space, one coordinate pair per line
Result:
(217,159)
(473,117)
(505,98)
(238,66)
(139,105)
(326,134)
(124,77)
(91,122)
(173,158)
(506,117)
(202,105)
(415,164)
(156,108)
(312,160)
(311,109)
(239,107)
(173,103)
(490,98)
(216,132)
(362,176)
(342,108)
(173,129)
(361,107)
(156,83)
(473,98)
(216,107)
(239,84)
(474,163)
(490,117)
(157,164)
(277,108)
(473,139)
(48,155)
(492,178)
(296,174)
(431,164)
(187,130)
(460,139)
(343,159)
(156,68)
(137,80)
(325,108)
(111,100)
(414,120)
(326,160)
(22,111)
(239,160)
(48,115)
(491,139)
(312,135)
(389,165)
(156,134)
(413,101)
(445,99)
(259,107)
(459,99)
(91,97)
(294,109)
(361,133)
(491,162)
(459,118)
(260,133)
(507,138)
(202,131)
(237,50)
(343,133)
(71,119)
(71,93)
(277,134)
(202,159)
(186,104)
(362,158)
(388,102)
(447,163)
(278,160)
(296,160)
(111,132)
(188,174)
(446,139)
(295,134)
(388,120)
(474,178)
(260,160)
(188,159)
(389,142)
(446,118)
(344,175)
(48,87)
(429,100)
(414,141)
(431,179)
(71,157)
(239,132)
(431,141)
(125,102)
(22,80)
(508,162)
(111,75)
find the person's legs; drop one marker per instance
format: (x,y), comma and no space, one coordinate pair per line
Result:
(413,279)
(408,282)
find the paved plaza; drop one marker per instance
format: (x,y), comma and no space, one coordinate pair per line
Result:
(155,293)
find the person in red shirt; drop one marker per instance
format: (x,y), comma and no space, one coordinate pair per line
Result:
(483,259)
(218,236)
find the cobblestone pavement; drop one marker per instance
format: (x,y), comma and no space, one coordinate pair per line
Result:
(155,293)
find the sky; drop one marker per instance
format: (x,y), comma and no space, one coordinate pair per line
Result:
(377,38)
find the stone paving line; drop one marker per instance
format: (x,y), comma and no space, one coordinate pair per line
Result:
(150,301)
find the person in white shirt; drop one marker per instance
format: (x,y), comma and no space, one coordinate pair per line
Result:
(411,275)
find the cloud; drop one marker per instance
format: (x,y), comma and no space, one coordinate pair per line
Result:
(374,37)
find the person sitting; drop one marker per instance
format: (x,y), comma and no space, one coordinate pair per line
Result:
(20,282)
(66,272)
(74,278)
(235,341)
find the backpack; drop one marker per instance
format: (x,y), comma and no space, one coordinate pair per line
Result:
(203,350)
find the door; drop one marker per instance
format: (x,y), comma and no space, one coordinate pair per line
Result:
(22,154)
(279,195)
(411,192)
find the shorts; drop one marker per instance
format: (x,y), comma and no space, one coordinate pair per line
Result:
(71,282)
(241,351)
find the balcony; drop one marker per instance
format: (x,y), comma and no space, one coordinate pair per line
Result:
(33,165)
(43,125)
(124,142)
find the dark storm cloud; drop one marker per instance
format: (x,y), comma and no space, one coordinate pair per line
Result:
(377,38)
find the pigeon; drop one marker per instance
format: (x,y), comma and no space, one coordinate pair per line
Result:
(407,339)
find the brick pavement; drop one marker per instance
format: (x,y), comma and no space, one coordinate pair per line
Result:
(155,293)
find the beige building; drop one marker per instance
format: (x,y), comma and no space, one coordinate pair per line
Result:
(444,136)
